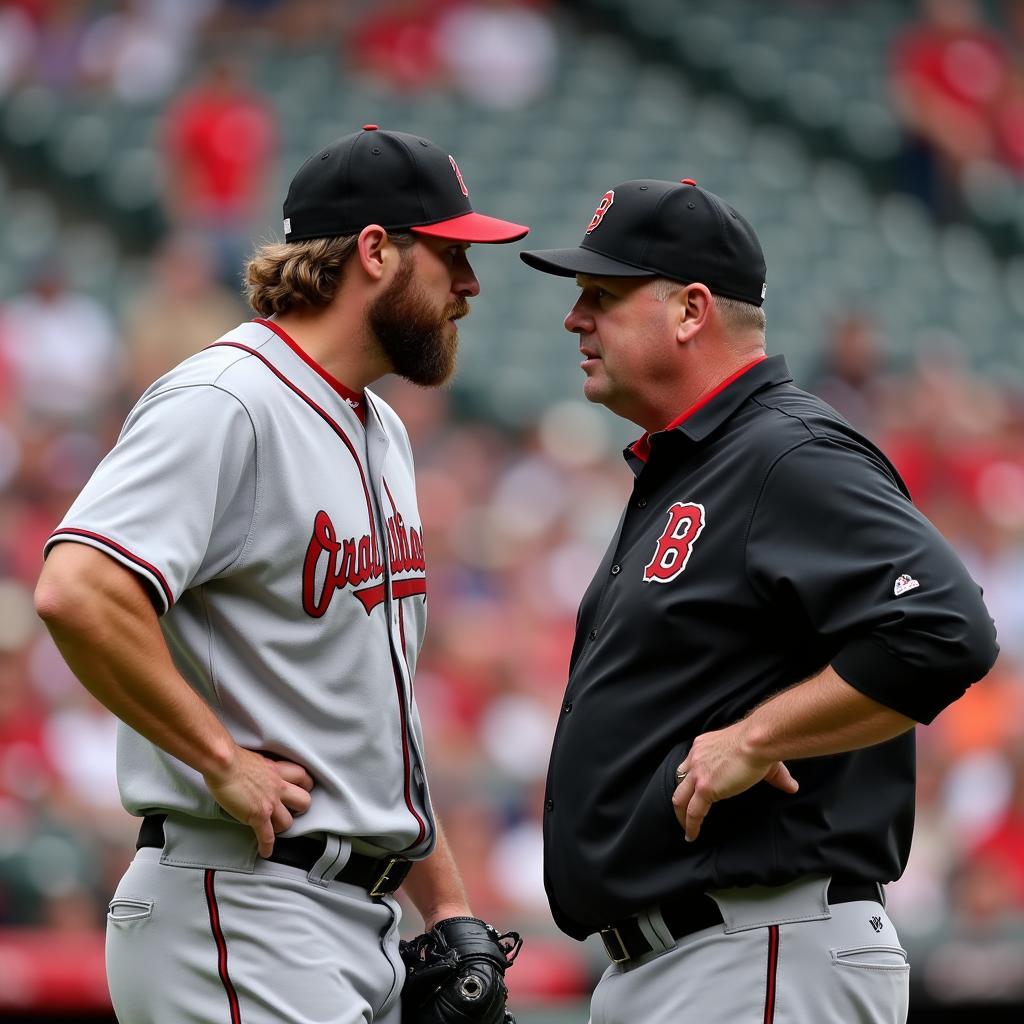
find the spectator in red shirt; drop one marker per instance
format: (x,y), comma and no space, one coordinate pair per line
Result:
(220,141)
(397,44)
(1009,115)
(948,71)
(1003,847)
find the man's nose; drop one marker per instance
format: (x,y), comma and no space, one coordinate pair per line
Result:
(464,281)
(577,321)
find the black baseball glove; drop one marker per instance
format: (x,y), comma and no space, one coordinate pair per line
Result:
(455,974)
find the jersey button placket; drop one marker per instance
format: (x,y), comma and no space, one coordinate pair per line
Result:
(593,634)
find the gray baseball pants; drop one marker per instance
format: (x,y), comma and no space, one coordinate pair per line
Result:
(202,932)
(783,956)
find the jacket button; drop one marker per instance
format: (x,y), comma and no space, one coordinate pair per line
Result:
(549,805)
(616,569)
(641,503)
(567,706)
(593,634)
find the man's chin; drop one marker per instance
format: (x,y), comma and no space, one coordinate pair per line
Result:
(432,382)
(432,377)
(594,392)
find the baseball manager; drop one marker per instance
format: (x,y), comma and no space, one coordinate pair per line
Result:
(732,776)
(243,583)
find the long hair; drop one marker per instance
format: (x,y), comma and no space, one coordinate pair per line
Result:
(283,276)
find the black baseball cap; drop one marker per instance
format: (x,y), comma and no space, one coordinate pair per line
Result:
(674,229)
(399,181)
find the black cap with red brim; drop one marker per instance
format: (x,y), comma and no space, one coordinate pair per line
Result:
(473,227)
(401,182)
(650,228)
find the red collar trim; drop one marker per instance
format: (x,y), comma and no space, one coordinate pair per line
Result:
(641,448)
(353,398)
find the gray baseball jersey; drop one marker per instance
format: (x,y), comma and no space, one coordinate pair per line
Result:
(280,538)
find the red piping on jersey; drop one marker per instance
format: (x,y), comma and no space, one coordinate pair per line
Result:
(641,447)
(401,636)
(325,416)
(405,748)
(113,545)
(773,968)
(399,591)
(373,540)
(346,392)
(222,948)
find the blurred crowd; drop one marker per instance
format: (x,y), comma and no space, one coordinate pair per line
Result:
(957,82)
(499,53)
(188,61)
(514,524)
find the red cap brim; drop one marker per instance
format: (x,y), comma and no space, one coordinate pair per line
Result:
(474,227)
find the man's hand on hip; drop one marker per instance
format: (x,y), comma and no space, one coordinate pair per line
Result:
(262,793)
(716,768)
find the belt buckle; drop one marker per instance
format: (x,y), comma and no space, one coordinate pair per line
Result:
(376,890)
(609,933)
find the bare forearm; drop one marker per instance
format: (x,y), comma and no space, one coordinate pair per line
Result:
(107,632)
(822,715)
(435,887)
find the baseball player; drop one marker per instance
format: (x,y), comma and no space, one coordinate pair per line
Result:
(732,775)
(242,582)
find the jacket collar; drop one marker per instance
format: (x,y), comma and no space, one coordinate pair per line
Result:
(711,411)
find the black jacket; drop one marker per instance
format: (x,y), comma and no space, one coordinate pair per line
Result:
(765,538)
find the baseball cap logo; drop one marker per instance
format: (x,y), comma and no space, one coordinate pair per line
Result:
(602,208)
(458,174)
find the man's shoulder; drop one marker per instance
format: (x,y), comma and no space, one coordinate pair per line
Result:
(230,364)
(786,420)
(785,415)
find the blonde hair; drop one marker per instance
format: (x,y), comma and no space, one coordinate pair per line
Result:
(282,276)
(735,314)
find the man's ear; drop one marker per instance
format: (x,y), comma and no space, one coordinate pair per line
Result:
(694,311)
(372,247)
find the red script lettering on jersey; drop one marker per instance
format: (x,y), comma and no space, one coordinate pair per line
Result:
(354,561)
(675,545)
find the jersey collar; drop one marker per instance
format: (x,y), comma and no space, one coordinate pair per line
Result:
(714,408)
(355,400)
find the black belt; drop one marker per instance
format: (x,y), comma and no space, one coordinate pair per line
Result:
(378,876)
(625,941)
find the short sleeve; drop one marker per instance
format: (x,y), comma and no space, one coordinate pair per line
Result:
(837,545)
(174,499)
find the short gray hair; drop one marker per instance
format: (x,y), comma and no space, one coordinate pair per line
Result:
(737,315)
(741,316)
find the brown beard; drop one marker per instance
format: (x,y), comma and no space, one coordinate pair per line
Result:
(413,337)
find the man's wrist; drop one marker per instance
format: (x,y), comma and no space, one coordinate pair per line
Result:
(755,741)
(443,911)
(219,760)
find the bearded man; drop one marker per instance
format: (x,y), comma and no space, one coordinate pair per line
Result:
(242,582)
